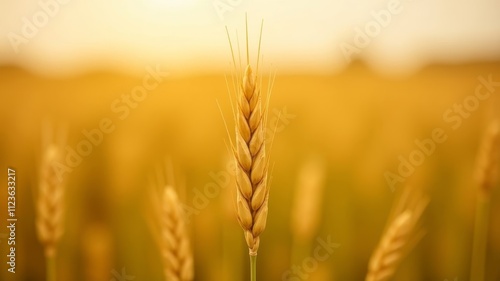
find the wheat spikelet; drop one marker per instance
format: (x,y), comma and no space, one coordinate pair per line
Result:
(50,203)
(397,240)
(174,240)
(488,159)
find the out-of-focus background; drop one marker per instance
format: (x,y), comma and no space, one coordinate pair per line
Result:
(358,84)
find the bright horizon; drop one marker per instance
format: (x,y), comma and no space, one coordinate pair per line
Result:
(64,37)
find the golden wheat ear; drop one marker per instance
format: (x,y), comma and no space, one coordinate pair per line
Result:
(168,227)
(249,151)
(174,239)
(50,203)
(251,172)
(49,198)
(398,239)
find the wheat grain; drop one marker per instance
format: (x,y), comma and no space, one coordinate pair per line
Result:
(174,240)
(396,242)
(50,203)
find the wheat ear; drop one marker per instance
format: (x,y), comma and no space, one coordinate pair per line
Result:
(50,207)
(306,208)
(488,159)
(487,176)
(397,240)
(97,252)
(252,190)
(174,239)
(251,171)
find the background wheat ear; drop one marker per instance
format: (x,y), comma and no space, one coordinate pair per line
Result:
(487,178)
(488,159)
(50,207)
(167,224)
(97,248)
(173,238)
(398,239)
(306,208)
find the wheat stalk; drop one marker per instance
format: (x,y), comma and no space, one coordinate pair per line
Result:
(487,176)
(50,207)
(396,242)
(174,239)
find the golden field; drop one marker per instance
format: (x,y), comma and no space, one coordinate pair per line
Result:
(356,124)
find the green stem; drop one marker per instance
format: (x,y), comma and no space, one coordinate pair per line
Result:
(253,268)
(480,238)
(51,268)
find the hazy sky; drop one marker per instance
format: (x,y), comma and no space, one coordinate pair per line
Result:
(69,36)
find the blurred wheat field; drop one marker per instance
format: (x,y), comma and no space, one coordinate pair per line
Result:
(357,122)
